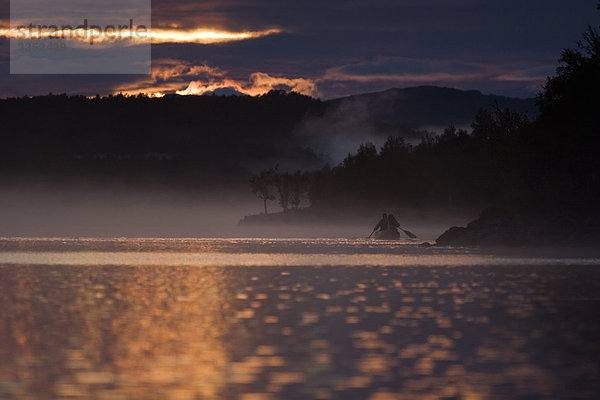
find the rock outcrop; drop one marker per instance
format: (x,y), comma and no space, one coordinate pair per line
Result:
(500,229)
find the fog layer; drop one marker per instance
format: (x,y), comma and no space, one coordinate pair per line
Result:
(119,212)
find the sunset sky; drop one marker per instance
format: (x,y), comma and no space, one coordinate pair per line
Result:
(334,48)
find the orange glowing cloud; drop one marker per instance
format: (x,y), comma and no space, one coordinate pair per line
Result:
(156,36)
(259,83)
(166,69)
(205,36)
(174,76)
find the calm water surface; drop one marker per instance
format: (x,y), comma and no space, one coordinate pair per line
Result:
(293,319)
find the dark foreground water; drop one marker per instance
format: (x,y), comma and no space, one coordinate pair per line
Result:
(293,319)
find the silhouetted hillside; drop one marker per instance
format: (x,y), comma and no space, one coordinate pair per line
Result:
(202,139)
(196,139)
(429,106)
(539,180)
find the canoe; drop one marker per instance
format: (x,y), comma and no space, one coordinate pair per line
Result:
(388,234)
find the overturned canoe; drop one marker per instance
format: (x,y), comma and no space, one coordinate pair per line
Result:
(388,234)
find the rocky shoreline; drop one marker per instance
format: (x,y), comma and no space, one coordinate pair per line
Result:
(519,230)
(491,229)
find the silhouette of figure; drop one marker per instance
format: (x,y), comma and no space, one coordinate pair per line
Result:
(383,224)
(392,222)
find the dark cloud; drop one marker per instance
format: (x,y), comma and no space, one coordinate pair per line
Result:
(502,47)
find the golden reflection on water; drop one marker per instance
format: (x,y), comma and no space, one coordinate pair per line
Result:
(114,333)
(281,332)
(176,259)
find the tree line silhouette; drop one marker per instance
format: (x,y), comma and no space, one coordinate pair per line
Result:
(545,169)
(290,187)
(194,140)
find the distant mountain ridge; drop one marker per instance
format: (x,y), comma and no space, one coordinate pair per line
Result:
(425,106)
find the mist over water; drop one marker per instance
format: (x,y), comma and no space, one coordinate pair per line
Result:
(115,212)
(84,211)
(88,312)
(128,292)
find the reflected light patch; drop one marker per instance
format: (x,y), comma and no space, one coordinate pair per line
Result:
(95,258)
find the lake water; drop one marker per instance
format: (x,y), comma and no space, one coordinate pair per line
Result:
(294,319)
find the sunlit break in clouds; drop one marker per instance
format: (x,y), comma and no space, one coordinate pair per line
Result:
(330,49)
(157,36)
(260,83)
(205,36)
(174,76)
